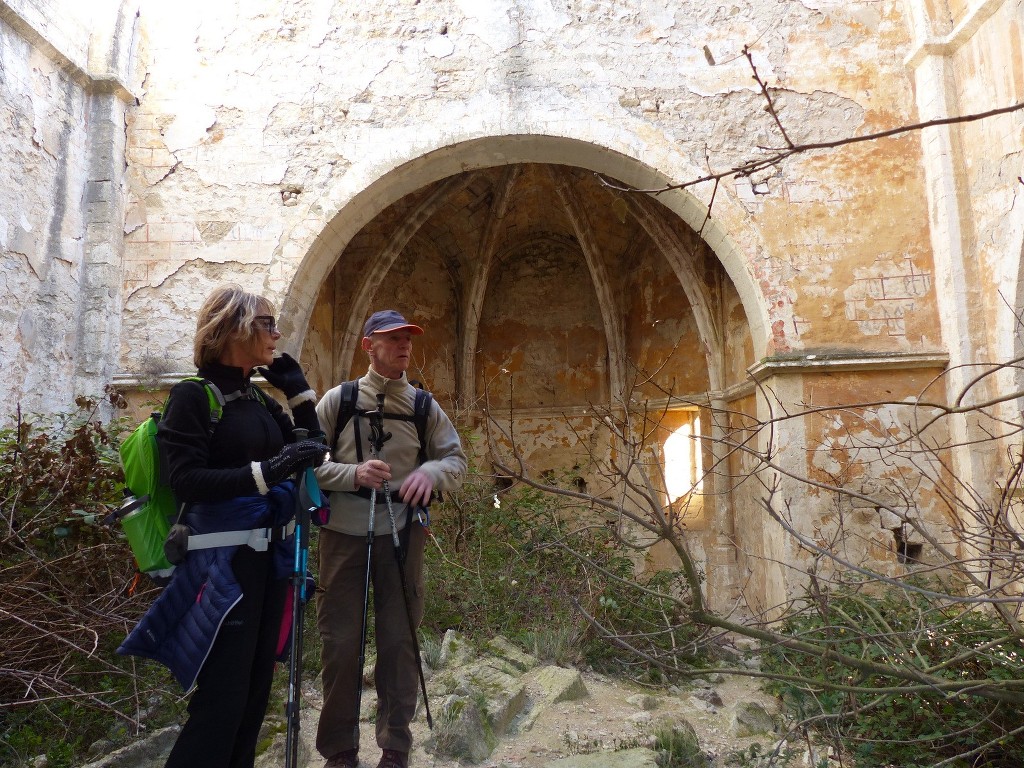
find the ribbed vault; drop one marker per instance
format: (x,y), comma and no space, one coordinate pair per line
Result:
(541,286)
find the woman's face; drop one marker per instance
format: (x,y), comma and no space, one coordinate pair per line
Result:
(256,351)
(264,340)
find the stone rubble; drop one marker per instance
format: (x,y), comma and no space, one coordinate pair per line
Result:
(503,708)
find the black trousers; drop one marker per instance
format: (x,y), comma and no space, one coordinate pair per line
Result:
(226,710)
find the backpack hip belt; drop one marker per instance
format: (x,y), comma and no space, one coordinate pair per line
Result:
(180,540)
(258,539)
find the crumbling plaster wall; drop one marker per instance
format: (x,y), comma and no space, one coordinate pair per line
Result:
(989,73)
(269,136)
(64,89)
(966,59)
(980,67)
(306,120)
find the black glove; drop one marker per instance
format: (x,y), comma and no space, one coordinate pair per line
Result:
(292,458)
(285,374)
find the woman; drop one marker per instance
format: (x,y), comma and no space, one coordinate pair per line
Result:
(217,624)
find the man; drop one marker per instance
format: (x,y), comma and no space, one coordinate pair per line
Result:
(351,474)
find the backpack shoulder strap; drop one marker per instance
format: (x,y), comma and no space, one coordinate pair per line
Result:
(216,401)
(258,394)
(421,412)
(346,408)
(214,397)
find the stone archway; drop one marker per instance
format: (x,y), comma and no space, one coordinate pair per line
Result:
(545,290)
(378,188)
(472,224)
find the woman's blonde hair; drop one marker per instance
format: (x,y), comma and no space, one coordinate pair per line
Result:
(228,313)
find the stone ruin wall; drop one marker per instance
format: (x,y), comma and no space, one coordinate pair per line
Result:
(63,96)
(967,59)
(159,150)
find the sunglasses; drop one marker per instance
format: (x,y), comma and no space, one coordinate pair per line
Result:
(265,323)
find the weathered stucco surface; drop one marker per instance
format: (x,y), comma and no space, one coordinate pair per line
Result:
(465,163)
(373,88)
(61,174)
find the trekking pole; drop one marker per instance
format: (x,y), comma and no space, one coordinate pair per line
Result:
(298,584)
(400,561)
(377,438)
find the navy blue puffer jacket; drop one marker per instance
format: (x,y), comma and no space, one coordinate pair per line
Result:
(179,628)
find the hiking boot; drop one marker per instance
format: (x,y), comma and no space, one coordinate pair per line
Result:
(392,758)
(347,759)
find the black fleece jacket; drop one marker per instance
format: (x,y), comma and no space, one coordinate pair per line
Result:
(202,467)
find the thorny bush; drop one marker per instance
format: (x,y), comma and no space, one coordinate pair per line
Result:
(524,564)
(877,721)
(65,601)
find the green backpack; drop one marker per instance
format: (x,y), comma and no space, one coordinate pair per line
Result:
(150,507)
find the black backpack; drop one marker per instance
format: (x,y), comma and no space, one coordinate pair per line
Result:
(347,408)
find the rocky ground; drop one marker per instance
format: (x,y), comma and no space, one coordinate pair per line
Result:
(555,718)
(541,716)
(615,716)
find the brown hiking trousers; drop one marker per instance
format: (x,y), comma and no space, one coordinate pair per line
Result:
(339,619)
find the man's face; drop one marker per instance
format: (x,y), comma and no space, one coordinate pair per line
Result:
(389,352)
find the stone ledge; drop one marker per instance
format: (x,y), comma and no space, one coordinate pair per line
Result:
(824,362)
(101,83)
